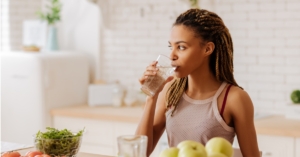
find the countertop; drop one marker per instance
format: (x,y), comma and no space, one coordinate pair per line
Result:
(122,114)
(276,125)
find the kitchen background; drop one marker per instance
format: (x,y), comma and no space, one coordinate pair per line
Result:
(122,36)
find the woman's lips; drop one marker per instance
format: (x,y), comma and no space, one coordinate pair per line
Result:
(175,68)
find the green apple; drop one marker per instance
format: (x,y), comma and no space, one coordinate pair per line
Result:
(216,155)
(219,145)
(190,148)
(169,152)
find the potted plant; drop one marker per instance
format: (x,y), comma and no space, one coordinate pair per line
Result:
(51,15)
(295,96)
(293,108)
(194,4)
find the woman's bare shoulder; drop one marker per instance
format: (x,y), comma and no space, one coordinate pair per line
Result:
(237,93)
(239,101)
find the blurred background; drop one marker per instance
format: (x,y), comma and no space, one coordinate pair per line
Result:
(119,38)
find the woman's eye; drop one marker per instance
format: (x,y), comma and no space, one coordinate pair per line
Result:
(170,47)
(181,47)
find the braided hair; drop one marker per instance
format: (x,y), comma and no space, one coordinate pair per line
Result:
(210,27)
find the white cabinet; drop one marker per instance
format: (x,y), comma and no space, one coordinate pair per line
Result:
(100,136)
(34,83)
(276,146)
(297,148)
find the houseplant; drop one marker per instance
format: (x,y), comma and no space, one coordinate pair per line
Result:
(51,15)
(194,3)
(295,96)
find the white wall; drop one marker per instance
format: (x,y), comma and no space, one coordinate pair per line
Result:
(20,10)
(138,31)
(266,36)
(4,26)
(79,30)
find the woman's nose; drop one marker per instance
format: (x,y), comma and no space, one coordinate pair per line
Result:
(173,56)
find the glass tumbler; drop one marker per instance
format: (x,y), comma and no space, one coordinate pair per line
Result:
(153,83)
(132,145)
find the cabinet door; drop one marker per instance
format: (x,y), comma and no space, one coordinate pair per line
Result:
(122,128)
(98,137)
(276,146)
(297,147)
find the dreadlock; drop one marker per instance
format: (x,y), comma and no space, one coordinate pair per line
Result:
(210,27)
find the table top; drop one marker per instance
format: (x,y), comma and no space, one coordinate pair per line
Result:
(80,154)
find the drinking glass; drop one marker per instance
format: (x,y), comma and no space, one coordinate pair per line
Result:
(153,83)
(132,146)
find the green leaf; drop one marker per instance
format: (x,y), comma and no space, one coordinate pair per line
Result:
(52,13)
(58,142)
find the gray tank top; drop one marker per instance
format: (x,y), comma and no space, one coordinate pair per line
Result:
(197,120)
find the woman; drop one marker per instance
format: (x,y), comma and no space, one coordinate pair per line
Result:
(203,100)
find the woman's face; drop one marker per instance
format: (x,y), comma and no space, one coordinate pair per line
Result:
(187,51)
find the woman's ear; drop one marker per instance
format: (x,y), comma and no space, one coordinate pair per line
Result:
(210,46)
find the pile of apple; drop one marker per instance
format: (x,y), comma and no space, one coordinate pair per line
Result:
(215,147)
(28,154)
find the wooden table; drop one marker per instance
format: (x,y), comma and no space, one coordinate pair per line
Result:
(80,154)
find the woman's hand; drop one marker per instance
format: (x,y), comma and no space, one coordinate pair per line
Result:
(152,71)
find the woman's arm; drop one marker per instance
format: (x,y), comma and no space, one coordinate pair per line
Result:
(152,123)
(145,126)
(243,118)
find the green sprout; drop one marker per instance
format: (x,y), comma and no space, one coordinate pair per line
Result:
(56,142)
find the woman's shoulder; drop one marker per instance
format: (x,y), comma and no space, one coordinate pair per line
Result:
(238,100)
(237,93)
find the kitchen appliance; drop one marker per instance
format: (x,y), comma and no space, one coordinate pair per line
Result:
(101,94)
(34,83)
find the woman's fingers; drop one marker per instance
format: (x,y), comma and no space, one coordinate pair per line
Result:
(151,70)
(146,75)
(143,79)
(152,66)
(154,63)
